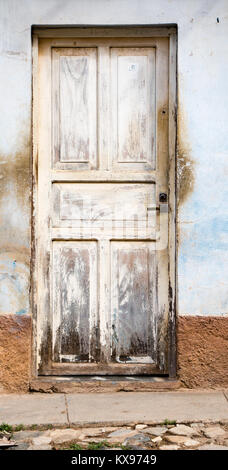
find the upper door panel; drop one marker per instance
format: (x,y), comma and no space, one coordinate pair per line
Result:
(133,108)
(74,113)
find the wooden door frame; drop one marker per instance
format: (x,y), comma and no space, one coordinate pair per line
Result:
(133,31)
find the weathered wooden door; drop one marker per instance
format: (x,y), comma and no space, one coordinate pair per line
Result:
(102,208)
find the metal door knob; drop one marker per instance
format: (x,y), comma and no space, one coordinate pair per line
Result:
(163,197)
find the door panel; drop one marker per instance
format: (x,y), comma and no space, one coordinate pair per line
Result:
(106,209)
(75,107)
(133,302)
(102,254)
(133,107)
(74,301)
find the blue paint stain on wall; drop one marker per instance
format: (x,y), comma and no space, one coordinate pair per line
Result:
(203,266)
(23,311)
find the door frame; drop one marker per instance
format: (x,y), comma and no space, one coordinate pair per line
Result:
(133,31)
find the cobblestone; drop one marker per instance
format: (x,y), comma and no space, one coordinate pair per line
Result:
(169,437)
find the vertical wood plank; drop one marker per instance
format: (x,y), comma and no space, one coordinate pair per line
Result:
(103,106)
(104,299)
(172,204)
(162,162)
(34,224)
(55,108)
(43,252)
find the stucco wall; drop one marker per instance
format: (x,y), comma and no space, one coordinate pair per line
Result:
(202,138)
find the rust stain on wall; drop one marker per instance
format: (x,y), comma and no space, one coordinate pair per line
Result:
(185,164)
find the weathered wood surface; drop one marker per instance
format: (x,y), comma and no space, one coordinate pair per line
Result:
(103,160)
(133,301)
(133,107)
(104,176)
(119,210)
(102,32)
(74,300)
(101,369)
(75,106)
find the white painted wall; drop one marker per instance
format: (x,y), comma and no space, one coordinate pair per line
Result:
(203,124)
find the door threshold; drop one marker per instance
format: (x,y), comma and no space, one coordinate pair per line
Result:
(101,384)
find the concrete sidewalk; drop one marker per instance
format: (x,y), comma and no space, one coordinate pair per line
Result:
(113,408)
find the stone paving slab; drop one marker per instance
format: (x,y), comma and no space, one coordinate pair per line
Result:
(124,408)
(113,408)
(32,409)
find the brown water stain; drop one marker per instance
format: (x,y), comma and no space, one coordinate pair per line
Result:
(15,174)
(185,163)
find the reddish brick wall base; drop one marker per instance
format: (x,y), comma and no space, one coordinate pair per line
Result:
(15,353)
(202,345)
